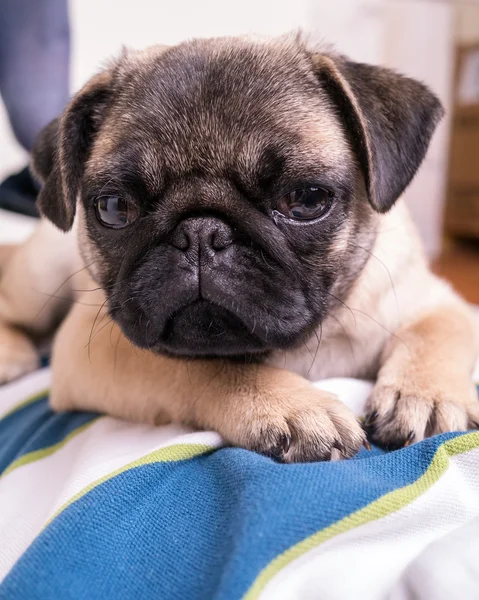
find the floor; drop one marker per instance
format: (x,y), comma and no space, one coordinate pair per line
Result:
(460,265)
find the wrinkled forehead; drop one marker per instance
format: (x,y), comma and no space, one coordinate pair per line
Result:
(201,108)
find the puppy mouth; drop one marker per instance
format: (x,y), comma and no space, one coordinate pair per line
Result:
(222,321)
(204,328)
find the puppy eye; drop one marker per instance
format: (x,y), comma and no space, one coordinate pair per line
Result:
(115,212)
(306,204)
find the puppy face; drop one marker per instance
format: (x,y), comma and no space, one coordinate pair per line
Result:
(242,183)
(224,187)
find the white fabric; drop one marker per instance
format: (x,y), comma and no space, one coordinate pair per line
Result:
(383,559)
(390,557)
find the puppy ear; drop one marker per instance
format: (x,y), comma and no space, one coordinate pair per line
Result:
(62,149)
(390,119)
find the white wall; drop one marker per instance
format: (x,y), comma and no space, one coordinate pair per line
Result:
(99,31)
(420,43)
(414,36)
(101,27)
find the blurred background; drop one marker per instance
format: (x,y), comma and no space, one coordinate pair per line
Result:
(436,41)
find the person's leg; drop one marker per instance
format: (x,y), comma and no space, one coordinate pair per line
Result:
(34,63)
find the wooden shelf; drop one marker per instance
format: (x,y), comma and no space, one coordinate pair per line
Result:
(459,264)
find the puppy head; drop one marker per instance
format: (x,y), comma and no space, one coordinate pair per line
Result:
(222,186)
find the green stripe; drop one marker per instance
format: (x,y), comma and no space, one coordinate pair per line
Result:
(44,452)
(386,505)
(171,453)
(29,400)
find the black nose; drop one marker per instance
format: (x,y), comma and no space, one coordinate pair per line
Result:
(202,235)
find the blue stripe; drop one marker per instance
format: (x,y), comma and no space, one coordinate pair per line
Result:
(202,528)
(34,427)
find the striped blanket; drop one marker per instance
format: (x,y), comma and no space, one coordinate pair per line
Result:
(96,508)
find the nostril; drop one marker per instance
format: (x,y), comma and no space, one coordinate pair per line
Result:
(180,240)
(201,234)
(221,239)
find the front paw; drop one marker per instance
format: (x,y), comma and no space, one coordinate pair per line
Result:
(301,425)
(400,412)
(18,355)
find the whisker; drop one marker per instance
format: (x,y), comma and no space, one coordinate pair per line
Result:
(89,290)
(106,184)
(115,355)
(387,271)
(347,336)
(59,288)
(111,321)
(72,301)
(92,328)
(135,347)
(310,352)
(345,305)
(315,356)
(111,332)
(188,370)
(209,382)
(317,347)
(146,335)
(264,259)
(391,333)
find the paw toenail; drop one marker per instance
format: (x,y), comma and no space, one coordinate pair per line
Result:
(371,419)
(409,439)
(285,443)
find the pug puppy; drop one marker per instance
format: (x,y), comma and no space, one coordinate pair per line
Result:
(226,214)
